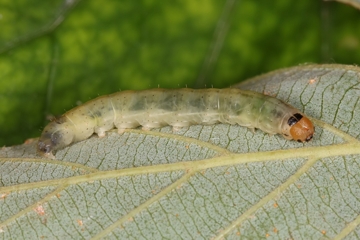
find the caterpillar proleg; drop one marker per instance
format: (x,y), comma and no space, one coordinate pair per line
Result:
(158,107)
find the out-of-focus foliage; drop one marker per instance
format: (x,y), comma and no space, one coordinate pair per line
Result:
(54,54)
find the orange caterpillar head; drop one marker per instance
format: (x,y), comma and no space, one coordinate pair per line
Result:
(301,128)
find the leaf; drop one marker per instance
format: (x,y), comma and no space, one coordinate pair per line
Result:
(216,181)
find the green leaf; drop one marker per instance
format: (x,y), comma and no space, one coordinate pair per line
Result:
(215,182)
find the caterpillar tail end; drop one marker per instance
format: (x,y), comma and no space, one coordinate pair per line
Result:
(44,148)
(56,135)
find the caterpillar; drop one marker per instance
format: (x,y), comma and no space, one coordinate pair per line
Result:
(155,108)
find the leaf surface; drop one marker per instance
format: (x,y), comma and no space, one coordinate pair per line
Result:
(216,181)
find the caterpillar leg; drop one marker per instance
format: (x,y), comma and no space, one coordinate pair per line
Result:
(101,134)
(176,128)
(145,128)
(48,155)
(121,130)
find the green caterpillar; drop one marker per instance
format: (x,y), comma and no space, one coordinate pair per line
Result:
(158,107)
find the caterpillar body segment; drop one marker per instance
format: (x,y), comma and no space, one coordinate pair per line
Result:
(156,108)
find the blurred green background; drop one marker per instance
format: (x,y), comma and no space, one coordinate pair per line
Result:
(57,54)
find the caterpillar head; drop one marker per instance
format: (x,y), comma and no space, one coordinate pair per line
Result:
(56,134)
(301,128)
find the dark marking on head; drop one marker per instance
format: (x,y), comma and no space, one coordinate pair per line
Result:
(298,116)
(294,119)
(309,138)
